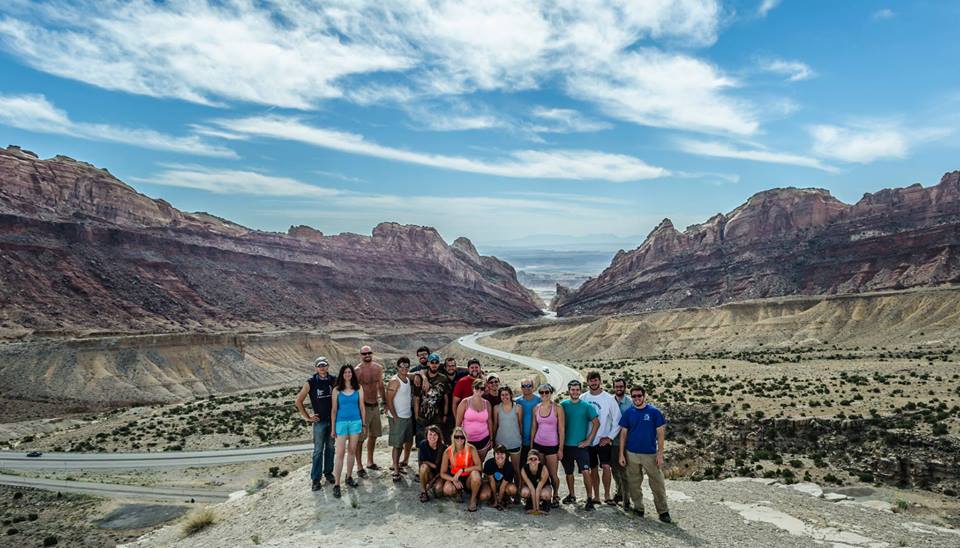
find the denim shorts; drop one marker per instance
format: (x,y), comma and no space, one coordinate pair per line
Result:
(349,428)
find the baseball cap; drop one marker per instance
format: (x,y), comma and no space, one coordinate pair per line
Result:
(433,358)
(322,360)
(492,376)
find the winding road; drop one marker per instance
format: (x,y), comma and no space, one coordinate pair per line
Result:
(556,374)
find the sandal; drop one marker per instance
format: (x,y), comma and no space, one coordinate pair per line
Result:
(471,508)
(397,478)
(351,482)
(610,502)
(361,473)
(373,466)
(424,497)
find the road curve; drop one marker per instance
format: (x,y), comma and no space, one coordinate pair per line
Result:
(122,461)
(559,375)
(116,490)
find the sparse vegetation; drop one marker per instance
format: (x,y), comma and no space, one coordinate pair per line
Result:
(198,520)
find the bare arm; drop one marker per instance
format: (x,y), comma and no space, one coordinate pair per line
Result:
(661,440)
(533,423)
(494,423)
(476,460)
(380,385)
(519,420)
(594,426)
(392,387)
(333,412)
(363,410)
(489,421)
(561,425)
(623,445)
(445,467)
(461,409)
(304,391)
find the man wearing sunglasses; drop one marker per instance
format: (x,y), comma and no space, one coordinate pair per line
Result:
(430,404)
(642,433)
(370,376)
(320,389)
(527,401)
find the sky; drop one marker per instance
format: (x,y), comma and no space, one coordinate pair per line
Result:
(503,121)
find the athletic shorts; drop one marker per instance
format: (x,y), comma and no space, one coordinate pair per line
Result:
(374,426)
(576,453)
(481,443)
(546,449)
(514,451)
(349,428)
(401,431)
(600,456)
(524,451)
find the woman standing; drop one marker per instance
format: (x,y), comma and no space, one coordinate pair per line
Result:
(508,424)
(536,483)
(547,434)
(349,420)
(474,415)
(460,469)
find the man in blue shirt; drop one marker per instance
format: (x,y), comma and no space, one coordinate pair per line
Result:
(641,450)
(320,389)
(527,401)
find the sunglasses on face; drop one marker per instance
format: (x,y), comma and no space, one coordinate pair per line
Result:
(434,361)
(544,393)
(637,396)
(459,437)
(366,353)
(526,386)
(533,459)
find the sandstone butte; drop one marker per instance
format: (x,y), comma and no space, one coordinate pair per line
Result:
(785,241)
(82,252)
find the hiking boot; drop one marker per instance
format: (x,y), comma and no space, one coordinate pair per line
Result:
(589,505)
(569,499)
(336,491)
(665,517)
(317,485)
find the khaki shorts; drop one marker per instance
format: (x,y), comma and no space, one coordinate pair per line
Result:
(401,431)
(374,425)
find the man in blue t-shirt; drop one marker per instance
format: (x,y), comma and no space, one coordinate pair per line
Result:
(320,389)
(642,433)
(527,401)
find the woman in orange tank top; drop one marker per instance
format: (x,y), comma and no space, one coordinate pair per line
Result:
(460,469)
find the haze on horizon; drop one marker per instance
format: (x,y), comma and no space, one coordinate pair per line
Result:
(499,121)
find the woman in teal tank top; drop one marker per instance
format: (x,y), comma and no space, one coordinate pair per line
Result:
(348,417)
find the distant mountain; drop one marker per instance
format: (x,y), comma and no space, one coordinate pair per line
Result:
(80,251)
(786,241)
(562,242)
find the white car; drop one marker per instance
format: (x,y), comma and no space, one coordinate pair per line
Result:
(546,370)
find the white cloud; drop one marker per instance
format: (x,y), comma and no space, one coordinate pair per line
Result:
(553,164)
(859,144)
(563,120)
(885,13)
(791,70)
(229,181)
(36,113)
(723,150)
(766,6)
(298,53)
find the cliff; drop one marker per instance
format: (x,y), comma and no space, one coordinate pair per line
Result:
(786,241)
(81,252)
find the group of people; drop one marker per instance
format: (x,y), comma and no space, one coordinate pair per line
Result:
(458,416)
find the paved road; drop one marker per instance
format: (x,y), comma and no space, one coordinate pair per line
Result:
(118,461)
(559,375)
(115,490)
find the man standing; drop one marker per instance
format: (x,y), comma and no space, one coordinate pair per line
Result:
(320,388)
(527,401)
(641,450)
(430,400)
(619,473)
(370,376)
(399,414)
(454,374)
(492,393)
(581,424)
(464,387)
(422,354)
(601,453)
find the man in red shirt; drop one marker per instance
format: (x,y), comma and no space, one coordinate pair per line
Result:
(464,387)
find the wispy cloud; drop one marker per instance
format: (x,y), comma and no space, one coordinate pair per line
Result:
(766,6)
(791,70)
(36,113)
(230,181)
(538,164)
(564,120)
(866,142)
(885,13)
(724,150)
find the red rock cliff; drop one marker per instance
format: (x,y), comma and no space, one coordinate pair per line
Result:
(785,242)
(82,251)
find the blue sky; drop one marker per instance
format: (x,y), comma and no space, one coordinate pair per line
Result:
(489,119)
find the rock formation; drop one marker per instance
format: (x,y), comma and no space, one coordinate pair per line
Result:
(82,252)
(786,241)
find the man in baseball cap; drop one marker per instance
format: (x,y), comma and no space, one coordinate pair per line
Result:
(320,389)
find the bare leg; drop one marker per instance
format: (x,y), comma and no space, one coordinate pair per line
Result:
(371,445)
(570,490)
(474,488)
(353,442)
(552,469)
(587,482)
(485,493)
(358,453)
(449,489)
(406,454)
(341,449)
(594,474)
(425,477)
(396,459)
(606,482)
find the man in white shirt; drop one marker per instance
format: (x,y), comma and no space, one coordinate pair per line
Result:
(601,452)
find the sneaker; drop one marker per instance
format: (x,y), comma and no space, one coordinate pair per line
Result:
(638,513)
(589,505)
(336,491)
(618,498)
(555,503)
(665,517)
(351,482)
(362,473)
(569,499)
(330,478)
(317,485)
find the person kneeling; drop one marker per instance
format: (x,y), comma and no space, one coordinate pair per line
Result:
(535,479)
(499,476)
(429,456)
(460,469)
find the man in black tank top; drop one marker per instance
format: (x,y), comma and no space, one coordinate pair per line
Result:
(320,389)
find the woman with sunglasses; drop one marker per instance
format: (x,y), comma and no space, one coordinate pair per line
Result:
(476,418)
(460,469)
(508,425)
(535,479)
(547,433)
(349,421)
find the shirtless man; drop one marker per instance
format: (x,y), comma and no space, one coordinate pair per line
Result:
(370,375)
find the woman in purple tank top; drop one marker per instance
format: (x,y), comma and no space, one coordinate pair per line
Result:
(547,434)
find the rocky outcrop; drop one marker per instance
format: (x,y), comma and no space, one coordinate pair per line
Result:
(80,252)
(787,241)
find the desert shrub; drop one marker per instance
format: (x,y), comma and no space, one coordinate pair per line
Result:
(198,521)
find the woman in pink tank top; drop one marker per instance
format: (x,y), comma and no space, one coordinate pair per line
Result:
(547,433)
(474,416)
